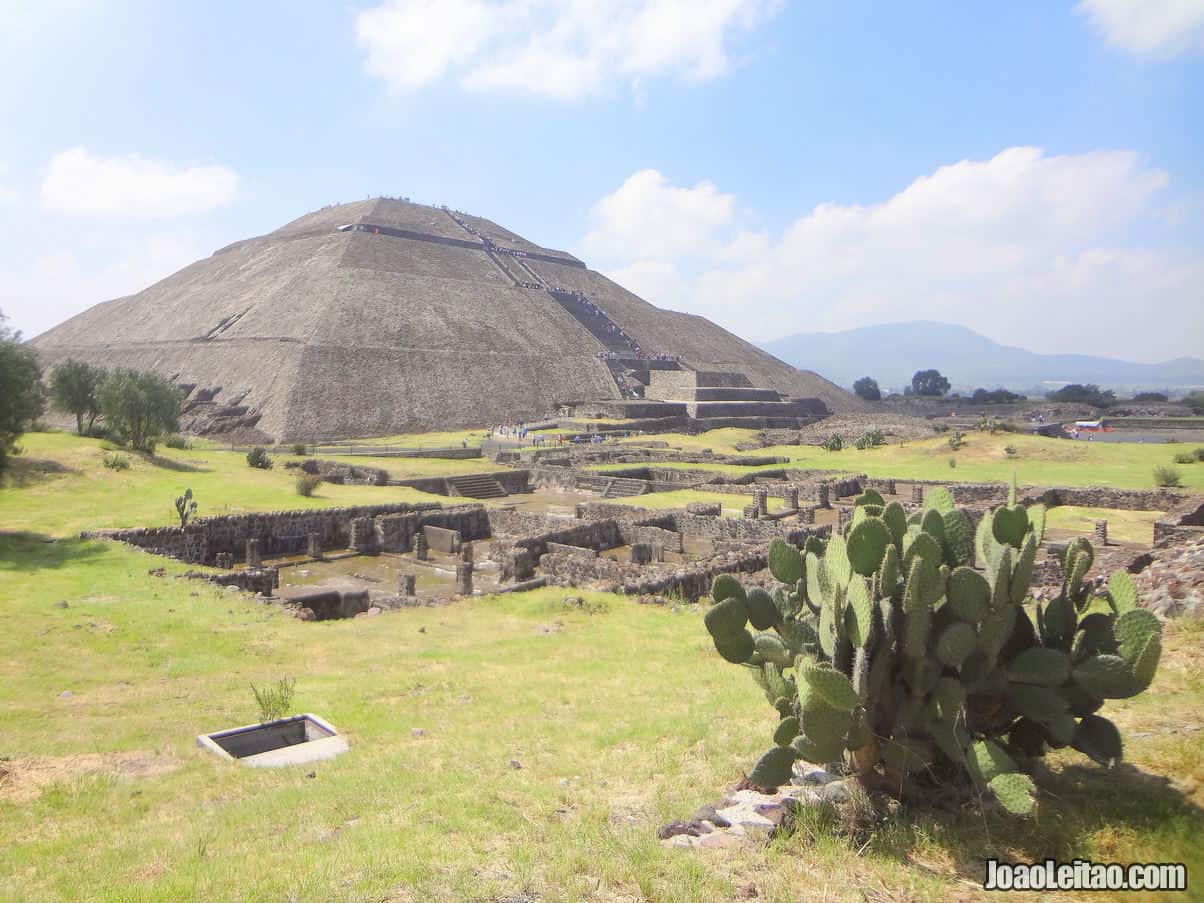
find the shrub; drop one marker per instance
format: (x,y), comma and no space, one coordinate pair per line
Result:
(833,443)
(310,466)
(1185,458)
(258,457)
(952,463)
(1167,476)
(1199,453)
(872,439)
(306,484)
(1011,451)
(957,440)
(175,440)
(116,462)
(274,700)
(884,651)
(299,449)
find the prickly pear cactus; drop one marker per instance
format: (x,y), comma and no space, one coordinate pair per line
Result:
(909,650)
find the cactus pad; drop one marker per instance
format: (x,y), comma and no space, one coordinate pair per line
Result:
(785,561)
(867,544)
(1015,792)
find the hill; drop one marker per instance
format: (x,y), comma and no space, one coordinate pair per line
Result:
(892,352)
(384,316)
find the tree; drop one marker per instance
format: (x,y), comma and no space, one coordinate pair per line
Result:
(140,407)
(930,383)
(1150,396)
(1195,401)
(74,386)
(1088,394)
(867,388)
(21,398)
(995,396)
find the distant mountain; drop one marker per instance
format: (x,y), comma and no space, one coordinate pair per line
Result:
(892,352)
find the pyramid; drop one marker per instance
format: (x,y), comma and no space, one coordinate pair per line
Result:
(384,316)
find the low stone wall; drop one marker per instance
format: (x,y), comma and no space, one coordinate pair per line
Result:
(442,539)
(287,532)
(668,540)
(691,582)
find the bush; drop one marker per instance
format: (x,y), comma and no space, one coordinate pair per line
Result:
(274,700)
(116,462)
(922,677)
(310,466)
(299,449)
(872,439)
(175,440)
(1200,453)
(833,443)
(306,484)
(258,457)
(957,440)
(952,463)
(1167,477)
(1185,458)
(1011,451)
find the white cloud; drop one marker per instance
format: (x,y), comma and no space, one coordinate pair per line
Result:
(1150,28)
(79,182)
(649,214)
(54,287)
(1025,247)
(562,49)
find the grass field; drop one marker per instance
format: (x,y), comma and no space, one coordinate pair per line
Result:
(1038,461)
(59,485)
(1123,526)
(620,716)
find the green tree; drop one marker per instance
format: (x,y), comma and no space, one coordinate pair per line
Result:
(1195,401)
(867,388)
(930,383)
(21,398)
(74,386)
(1079,394)
(139,407)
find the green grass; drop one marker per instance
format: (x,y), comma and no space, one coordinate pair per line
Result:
(1039,461)
(58,486)
(1123,526)
(622,720)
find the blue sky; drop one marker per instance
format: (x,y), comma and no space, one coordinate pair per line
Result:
(1031,170)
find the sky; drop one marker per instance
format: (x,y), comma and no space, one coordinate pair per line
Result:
(1031,170)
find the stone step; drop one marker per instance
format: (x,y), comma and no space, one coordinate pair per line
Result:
(477,487)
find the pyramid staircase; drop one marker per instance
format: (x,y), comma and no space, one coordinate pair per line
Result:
(478,486)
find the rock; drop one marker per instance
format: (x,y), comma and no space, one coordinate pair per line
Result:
(64,604)
(515,764)
(373,610)
(66,694)
(306,614)
(837,792)
(721,840)
(422,630)
(674,828)
(417,732)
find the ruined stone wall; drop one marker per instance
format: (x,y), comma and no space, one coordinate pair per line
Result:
(287,532)
(691,582)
